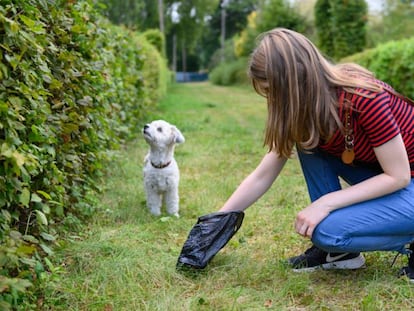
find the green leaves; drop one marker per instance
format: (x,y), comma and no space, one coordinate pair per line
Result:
(72,87)
(24,197)
(341,26)
(34,26)
(391,62)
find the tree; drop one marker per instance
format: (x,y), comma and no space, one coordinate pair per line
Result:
(161,16)
(393,22)
(341,26)
(236,12)
(398,19)
(323,23)
(270,14)
(245,41)
(279,13)
(182,21)
(188,25)
(130,13)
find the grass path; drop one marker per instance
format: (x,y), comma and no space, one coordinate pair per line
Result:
(125,259)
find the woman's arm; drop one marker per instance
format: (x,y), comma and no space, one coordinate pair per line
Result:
(393,159)
(256,184)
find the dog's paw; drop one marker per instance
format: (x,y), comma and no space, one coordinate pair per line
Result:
(155,213)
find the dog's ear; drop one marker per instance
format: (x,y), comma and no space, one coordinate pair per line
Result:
(179,138)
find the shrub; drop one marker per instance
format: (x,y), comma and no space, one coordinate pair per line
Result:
(156,38)
(391,62)
(156,75)
(72,87)
(230,73)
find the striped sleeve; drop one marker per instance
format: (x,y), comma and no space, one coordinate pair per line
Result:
(377,119)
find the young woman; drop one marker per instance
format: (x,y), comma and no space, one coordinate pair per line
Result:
(342,122)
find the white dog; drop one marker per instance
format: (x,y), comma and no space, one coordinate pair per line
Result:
(161,174)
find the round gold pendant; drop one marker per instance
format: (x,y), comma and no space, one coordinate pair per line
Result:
(348,156)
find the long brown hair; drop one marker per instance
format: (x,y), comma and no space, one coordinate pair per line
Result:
(301,89)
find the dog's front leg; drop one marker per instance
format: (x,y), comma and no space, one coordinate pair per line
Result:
(172,202)
(154,202)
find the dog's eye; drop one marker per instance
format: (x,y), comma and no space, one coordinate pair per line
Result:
(159,129)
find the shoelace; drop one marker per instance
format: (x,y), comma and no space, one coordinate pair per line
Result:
(395,259)
(410,257)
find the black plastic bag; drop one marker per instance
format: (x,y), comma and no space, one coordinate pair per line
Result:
(210,234)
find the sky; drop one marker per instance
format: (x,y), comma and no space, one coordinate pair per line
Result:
(375,5)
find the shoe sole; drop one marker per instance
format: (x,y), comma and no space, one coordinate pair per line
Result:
(349,264)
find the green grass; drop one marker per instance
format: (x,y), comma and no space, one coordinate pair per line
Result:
(125,259)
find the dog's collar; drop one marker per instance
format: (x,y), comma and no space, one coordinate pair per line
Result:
(161,165)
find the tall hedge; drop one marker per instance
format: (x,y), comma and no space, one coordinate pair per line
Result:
(72,87)
(341,26)
(391,62)
(323,23)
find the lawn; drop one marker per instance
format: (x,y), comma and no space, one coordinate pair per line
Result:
(125,258)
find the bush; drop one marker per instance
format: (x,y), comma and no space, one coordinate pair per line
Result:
(72,87)
(156,38)
(223,55)
(156,76)
(391,62)
(230,73)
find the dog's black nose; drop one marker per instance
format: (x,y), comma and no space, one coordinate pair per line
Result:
(146,126)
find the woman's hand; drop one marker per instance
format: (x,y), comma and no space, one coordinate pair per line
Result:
(308,218)
(393,159)
(256,184)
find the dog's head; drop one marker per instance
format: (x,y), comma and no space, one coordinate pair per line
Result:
(162,133)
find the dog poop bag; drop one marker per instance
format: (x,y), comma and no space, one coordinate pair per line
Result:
(210,234)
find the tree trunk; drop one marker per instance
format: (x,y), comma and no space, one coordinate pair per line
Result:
(184,59)
(161,16)
(223,33)
(174,52)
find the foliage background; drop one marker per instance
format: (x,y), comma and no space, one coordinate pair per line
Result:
(73,88)
(348,25)
(391,62)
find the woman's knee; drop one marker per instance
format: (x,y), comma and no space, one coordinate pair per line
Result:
(329,241)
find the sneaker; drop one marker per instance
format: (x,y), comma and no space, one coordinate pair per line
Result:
(314,258)
(408,271)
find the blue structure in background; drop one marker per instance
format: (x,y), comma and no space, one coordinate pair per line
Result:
(190,76)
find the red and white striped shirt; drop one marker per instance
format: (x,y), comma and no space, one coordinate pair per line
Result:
(375,121)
